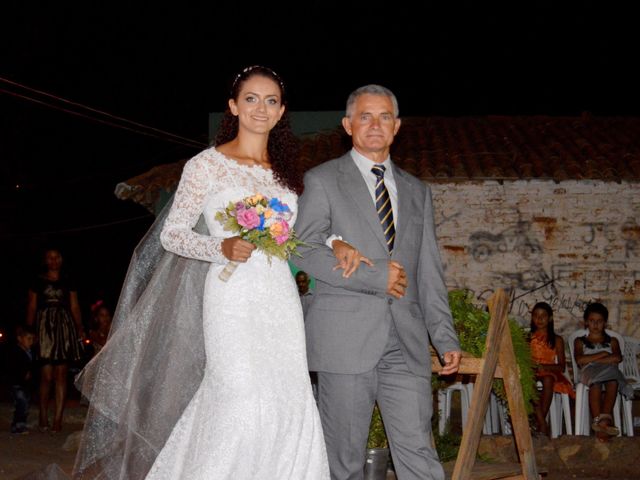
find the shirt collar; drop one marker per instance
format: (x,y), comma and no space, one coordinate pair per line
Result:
(365,164)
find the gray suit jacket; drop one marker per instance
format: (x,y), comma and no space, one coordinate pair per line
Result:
(347,324)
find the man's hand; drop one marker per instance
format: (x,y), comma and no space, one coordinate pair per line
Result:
(237,249)
(397,280)
(451,362)
(348,257)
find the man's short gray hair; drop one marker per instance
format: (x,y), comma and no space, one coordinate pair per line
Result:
(372,90)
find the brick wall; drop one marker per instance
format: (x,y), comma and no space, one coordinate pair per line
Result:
(580,237)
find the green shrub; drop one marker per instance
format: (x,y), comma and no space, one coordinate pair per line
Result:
(377,436)
(472,323)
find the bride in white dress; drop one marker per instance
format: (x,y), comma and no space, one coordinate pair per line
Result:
(253,415)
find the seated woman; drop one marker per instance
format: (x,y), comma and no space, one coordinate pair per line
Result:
(547,352)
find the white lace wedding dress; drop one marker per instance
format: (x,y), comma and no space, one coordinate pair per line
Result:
(254,416)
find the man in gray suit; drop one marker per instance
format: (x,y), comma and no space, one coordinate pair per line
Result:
(368,330)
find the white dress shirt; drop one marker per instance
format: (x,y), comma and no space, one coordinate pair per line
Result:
(365,165)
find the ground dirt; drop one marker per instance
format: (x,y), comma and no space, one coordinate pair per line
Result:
(22,455)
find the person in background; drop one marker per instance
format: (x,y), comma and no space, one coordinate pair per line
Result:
(54,310)
(306,297)
(20,361)
(306,294)
(598,355)
(547,353)
(100,325)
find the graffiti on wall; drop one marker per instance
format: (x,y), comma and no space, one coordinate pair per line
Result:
(447,218)
(608,270)
(518,239)
(627,233)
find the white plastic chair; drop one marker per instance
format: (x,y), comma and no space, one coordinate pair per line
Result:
(630,362)
(559,411)
(502,418)
(445,396)
(582,415)
(494,420)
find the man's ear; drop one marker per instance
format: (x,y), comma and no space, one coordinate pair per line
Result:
(397,126)
(346,124)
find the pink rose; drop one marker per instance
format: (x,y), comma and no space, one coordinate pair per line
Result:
(283,232)
(280,239)
(248,219)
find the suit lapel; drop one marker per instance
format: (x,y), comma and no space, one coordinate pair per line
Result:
(355,188)
(403,188)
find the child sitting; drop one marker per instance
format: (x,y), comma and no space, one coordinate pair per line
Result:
(100,325)
(598,355)
(547,352)
(21,362)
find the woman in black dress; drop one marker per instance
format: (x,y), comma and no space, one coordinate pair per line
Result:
(53,308)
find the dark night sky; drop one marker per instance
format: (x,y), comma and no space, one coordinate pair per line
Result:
(168,67)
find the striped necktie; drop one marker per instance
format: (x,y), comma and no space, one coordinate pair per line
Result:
(383,206)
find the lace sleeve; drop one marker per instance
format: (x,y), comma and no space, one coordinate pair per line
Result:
(177,234)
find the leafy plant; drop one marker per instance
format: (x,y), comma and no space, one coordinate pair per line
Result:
(377,436)
(472,324)
(447,444)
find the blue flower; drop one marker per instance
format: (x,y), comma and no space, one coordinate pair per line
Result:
(261,226)
(277,206)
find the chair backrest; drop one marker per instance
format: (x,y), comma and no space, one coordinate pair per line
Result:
(630,354)
(581,333)
(621,343)
(571,341)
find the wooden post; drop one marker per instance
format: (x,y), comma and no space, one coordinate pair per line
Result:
(515,398)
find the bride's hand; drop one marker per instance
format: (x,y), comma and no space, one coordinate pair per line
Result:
(237,249)
(349,258)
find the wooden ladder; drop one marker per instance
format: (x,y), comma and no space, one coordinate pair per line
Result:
(499,361)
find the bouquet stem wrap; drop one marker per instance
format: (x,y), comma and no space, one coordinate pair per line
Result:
(228,270)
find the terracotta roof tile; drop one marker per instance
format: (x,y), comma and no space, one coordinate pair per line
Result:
(500,147)
(477,148)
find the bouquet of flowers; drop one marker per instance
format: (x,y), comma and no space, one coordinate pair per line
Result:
(263,222)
